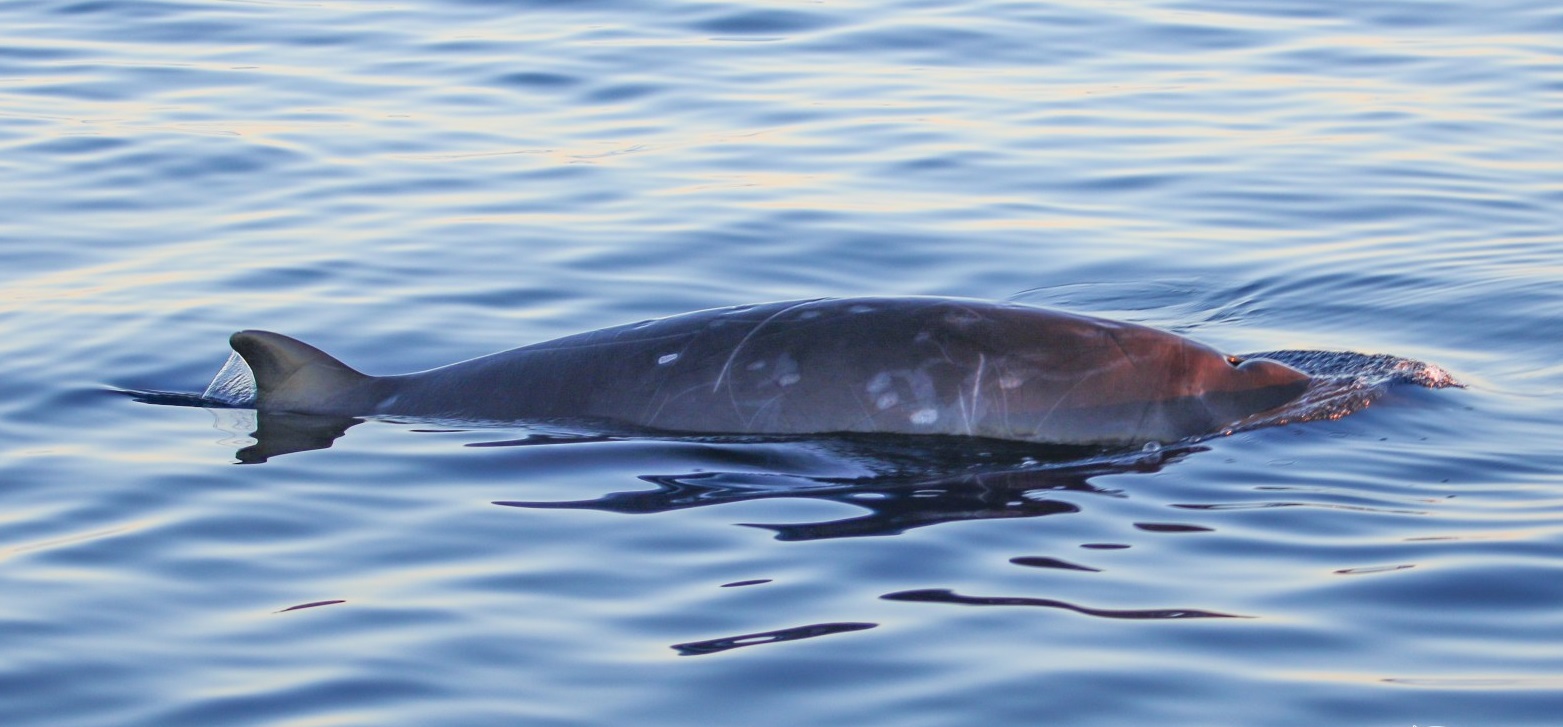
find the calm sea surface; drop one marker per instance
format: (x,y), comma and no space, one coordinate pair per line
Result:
(414,183)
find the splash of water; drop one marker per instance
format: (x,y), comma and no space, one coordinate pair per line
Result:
(1345,382)
(233,385)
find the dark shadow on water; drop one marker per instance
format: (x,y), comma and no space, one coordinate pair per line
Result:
(728,643)
(941,595)
(945,481)
(279,434)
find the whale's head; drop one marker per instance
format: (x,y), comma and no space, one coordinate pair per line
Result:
(1068,378)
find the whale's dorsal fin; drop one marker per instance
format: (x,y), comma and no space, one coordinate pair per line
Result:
(293,376)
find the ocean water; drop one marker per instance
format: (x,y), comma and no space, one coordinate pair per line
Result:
(410,184)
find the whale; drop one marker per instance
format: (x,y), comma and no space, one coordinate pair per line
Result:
(883,365)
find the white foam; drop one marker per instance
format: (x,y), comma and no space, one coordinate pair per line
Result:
(233,385)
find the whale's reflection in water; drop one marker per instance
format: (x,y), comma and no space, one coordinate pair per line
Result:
(897,482)
(279,434)
(912,481)
(915,482)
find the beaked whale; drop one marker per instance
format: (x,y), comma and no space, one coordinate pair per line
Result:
(913,365)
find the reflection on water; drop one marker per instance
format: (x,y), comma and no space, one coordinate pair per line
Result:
(712,646)
(939,595)
(895,503)
(279,434)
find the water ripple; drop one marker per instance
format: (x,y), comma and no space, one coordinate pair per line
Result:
(421,182)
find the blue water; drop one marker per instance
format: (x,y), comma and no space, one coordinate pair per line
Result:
(411,184)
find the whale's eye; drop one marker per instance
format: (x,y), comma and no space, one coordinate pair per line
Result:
(1234,360)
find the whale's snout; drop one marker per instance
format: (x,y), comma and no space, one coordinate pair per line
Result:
(1273,383)
(1255,385)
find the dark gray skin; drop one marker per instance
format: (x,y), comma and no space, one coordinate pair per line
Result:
(890,365)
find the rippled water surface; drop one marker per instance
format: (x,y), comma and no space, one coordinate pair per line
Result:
(411,184)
